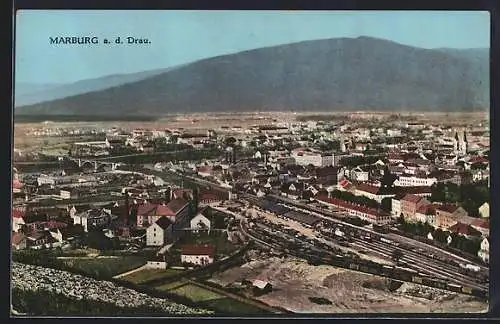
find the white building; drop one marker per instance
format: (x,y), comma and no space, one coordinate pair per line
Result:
(395,207)
(413,181)
(159,233)
(358,174)
(484,251)
(197,254)
(484,210)
(200,222)
(93,218)
(318,159)
(393,132)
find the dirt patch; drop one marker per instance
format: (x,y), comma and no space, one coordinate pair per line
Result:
(297,285)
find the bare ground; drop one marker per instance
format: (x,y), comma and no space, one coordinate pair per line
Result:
(294,282)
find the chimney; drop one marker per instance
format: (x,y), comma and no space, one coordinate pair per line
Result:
(127,208)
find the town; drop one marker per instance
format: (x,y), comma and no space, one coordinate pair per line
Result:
(233,215)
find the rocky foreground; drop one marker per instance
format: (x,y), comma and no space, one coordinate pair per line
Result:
(35,278)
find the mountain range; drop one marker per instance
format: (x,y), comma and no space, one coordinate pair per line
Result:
(340,74)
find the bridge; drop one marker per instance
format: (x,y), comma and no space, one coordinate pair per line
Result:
(93,162)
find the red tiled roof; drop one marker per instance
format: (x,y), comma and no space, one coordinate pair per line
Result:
(16,184)
(368,188)
(427,209)
(481,223)
(16,213)
(349,206)
(412,198)
(53,224)
(479,159)
(176,205)
(464,229)
(17,238)
(448,208)
(154,209)
(198,250)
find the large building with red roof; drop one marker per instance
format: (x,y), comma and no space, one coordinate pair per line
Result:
(371,215)
(448,215)
(177,211)
(410,204)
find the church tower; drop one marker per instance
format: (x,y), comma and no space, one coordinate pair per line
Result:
(456,143)
(465,144)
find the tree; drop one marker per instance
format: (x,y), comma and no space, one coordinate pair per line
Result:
(386,204)
(401,219)
(439,236)
(97,240)
(230,141)
(388,178)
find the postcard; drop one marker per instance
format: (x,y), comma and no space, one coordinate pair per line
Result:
(250,163)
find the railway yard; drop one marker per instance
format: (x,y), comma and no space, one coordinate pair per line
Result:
(416,265)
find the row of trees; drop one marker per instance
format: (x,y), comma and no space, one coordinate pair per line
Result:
(360,200)
(354,161)
(470,196)
(459,242)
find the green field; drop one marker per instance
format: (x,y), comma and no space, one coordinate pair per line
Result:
(195,293)
(105,268)
(228,305)
(149,274)
(171,285)
(209,299)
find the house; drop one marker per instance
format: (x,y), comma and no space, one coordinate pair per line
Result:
(205,172)
(160,232)
(481,225)
(292,190)
(464,230)
(261,287)
(447,215)
(17,220)
(328,175)
(426,214)
(410,204)
(39,239)
(484,210)
(92,219)
(367,214)
(372,192)
(345,185)
(19,241)
(358,174)
(197,254)
(177,210)
(414,181)
(200,221)
(17,186)
(396,206)
(484,250)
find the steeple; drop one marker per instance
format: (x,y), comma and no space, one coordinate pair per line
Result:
(465,137)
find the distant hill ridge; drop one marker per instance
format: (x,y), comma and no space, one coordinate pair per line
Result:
(340,74)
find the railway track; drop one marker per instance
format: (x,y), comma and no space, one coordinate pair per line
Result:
(318,212)
(414,261)
(427,268)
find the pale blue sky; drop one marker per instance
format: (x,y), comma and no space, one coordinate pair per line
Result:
(179,37)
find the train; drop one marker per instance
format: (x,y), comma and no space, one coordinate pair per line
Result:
(391,242)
